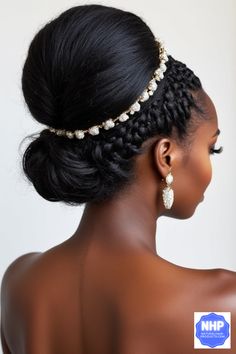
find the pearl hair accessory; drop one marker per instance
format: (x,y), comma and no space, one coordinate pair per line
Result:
(135,107)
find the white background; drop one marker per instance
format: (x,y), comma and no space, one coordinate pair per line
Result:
(199,33)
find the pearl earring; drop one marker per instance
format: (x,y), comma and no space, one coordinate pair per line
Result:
(168,193)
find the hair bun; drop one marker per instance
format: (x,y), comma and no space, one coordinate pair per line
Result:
(85,66)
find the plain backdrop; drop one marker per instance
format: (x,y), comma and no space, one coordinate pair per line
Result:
(201,34)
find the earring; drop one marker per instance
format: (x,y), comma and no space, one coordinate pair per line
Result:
(168,193)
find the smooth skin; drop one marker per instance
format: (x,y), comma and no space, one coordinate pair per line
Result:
(105,290)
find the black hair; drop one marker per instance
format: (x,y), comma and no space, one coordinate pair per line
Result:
(86,65)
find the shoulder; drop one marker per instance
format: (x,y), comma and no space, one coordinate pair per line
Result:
(29,288)
(15,271)
(16,264)
(17,275)
(32,268)
(26,277)
(162,296)
(12,296)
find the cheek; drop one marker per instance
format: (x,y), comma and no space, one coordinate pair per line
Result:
(197,173)
(191,182)
(202,171)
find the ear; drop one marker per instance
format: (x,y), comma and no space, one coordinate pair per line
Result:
(166,155)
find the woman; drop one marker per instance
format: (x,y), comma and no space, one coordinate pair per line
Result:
(129,133)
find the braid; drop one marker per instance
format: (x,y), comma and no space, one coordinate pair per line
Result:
(100,166)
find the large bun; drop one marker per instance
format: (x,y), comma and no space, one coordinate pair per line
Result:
(73,172)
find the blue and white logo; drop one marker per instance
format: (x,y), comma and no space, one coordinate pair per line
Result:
(212,329)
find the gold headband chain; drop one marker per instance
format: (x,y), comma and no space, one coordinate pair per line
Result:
(110,123)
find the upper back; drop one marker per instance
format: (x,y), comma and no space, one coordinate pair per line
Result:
(70,300)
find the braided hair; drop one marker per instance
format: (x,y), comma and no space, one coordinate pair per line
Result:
(88,64)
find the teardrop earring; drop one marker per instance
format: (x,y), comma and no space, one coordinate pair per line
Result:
(168,193)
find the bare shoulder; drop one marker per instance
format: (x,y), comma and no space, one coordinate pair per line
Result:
(12,293)
(165,297)
(17,264)
(28,274)
(30,285)
(14,273)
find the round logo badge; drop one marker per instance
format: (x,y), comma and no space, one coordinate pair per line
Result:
(212,329)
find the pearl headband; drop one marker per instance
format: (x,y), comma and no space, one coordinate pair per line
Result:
(110,123)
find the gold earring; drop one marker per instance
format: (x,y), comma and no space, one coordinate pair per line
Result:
(168,193)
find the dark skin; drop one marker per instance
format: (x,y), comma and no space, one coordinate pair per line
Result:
(105,290)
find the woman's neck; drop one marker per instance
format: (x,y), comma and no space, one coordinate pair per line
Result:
(127,221)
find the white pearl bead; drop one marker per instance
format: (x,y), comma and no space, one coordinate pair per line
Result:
(79,134)
(109,124)
(123,117)
(157,71)
(159,76)
(60,132)
(135,107)
(152,85)
(169,178)
(69,134)
(144,96)
(94,130)
(52,130)
(163,67)
(164,56)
